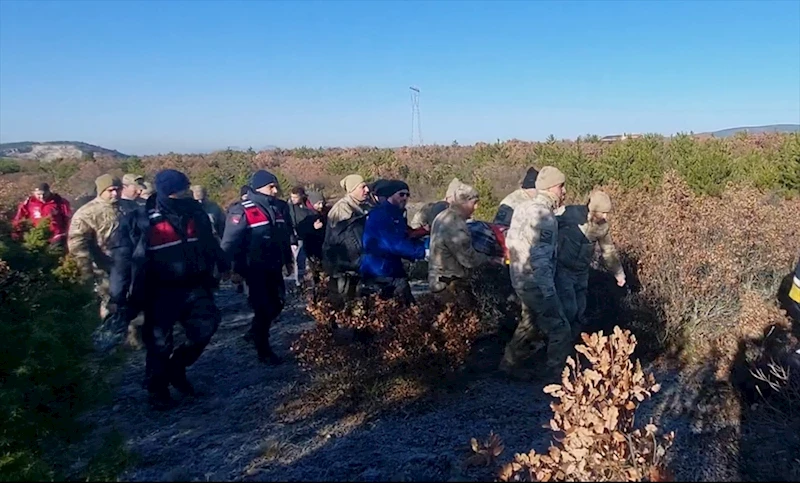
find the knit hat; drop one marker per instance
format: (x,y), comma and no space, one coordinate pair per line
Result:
(351,182)
(464,193)
(243,190)
(451,188)
(599,202)
(391,187)
(130,178)
(548,177)
(262,178)
(529,181)
(170,181)
(106,181)
(315,197)
(376,185)
(43,187)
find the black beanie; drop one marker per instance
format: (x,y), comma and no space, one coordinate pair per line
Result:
(44,187)
(390,187)
(262,178)
(529,181)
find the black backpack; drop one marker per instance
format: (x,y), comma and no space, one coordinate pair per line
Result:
(341,251)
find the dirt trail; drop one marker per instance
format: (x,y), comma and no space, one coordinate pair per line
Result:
(233,431)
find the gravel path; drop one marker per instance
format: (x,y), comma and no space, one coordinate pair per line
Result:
(235,428)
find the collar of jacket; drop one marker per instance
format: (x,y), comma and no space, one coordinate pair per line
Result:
(394,210)
(549,199)
(107,202)
(260,199)
(358,207)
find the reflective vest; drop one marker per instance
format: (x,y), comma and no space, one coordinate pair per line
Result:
(256,217)
(163,234)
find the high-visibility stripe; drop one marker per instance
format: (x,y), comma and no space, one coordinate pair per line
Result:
(260,223)
(794,292)
(171,244)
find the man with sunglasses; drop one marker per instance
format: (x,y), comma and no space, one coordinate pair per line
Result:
(88,239)
(386,243)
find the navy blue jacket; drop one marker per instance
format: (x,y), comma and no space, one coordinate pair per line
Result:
(386,243)
(258,234)
(150,255)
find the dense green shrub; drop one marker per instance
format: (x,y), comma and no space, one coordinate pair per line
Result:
(47,318)
(8,166)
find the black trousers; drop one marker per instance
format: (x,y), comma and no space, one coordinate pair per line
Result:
(196,311)
(267,298)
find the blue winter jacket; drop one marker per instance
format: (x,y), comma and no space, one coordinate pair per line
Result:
(386,243)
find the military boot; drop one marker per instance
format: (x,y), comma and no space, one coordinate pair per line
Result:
(177,377)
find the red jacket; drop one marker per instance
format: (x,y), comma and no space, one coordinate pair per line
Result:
(57,208)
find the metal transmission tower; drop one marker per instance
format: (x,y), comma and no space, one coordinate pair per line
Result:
(415,123)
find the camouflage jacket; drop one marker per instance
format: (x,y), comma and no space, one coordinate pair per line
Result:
(577,238)
(452,253)
(344,210)
(531,242)
(509,204)
(89,234)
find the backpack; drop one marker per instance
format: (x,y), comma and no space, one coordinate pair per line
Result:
(341,251)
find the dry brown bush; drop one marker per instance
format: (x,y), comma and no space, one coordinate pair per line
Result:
(709,266)
(430,336)
(594,421)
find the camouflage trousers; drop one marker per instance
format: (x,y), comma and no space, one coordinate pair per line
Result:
(572,288)
(539,315)
(116,324)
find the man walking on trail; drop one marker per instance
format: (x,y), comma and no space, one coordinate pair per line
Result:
(386,243)
(580,228)
(132,187)
(343,238)
(257,239)
(164,259)
(88,242)
(452,255)
(532,241)
(44,204)
(527,192)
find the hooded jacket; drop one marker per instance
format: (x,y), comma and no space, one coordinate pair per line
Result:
(55,208)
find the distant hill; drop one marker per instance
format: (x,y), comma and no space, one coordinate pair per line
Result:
(755,130)
(52,150)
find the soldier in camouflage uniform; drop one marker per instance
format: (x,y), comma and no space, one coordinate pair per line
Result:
(531,242)
(429,211)
(580,228)
(452,254)
(88,242)
(526,193)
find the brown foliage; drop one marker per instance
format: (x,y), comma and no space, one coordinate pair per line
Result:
(709,266)
(594,421)
(430,336)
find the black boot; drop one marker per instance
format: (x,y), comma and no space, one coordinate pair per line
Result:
(267,356)
(177,377)
(159,397)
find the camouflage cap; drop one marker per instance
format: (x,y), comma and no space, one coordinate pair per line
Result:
(131,178)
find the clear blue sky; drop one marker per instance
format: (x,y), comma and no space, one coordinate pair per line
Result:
(154,76)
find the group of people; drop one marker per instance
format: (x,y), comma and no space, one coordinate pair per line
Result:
(163,256)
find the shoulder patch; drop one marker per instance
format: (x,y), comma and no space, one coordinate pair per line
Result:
(236,219)
(546,236)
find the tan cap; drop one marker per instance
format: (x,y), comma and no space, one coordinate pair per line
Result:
(451,189)
(548,177)
(131,178)
(351,182)
(599,202)
(104,182)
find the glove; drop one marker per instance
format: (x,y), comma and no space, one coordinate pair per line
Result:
(427,254)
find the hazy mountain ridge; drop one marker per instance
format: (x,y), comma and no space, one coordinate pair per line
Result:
(52,150)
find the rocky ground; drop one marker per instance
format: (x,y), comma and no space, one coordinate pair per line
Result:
(239,427)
